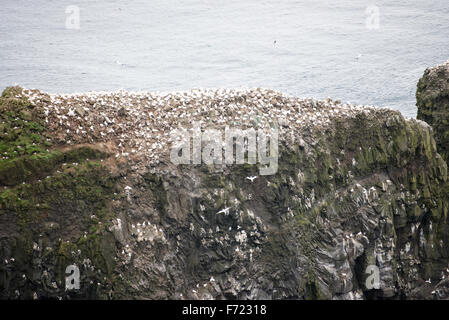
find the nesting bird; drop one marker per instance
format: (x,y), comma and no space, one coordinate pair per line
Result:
(139,123)
(225,210)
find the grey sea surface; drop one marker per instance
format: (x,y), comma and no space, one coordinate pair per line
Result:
(306,48)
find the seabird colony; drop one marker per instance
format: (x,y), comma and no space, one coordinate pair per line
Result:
(139,123)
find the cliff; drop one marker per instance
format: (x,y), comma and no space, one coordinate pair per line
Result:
(432,99)
(86,180)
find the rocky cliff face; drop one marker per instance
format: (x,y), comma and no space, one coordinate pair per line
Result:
(432,99)
(86,180)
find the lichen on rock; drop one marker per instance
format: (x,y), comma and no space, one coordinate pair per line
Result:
(86,179)
(432,99)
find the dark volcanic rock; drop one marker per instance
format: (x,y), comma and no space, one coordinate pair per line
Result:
(357,189)
(432,99)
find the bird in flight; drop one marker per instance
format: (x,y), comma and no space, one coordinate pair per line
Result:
(251,178)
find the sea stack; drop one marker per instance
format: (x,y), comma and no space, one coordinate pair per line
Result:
(432,99)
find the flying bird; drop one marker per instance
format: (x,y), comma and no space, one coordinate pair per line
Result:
(251,178)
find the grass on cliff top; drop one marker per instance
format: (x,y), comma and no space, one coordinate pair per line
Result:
(24,144)
(21,128)
(26,151)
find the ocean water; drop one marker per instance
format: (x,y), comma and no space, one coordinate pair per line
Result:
(309,48)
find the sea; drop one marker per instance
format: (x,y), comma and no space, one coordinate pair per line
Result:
(362,52)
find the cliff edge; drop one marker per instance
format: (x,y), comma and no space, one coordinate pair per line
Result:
(357,208)
(432,97)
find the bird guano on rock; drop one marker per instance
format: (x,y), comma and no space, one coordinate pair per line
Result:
(139,123)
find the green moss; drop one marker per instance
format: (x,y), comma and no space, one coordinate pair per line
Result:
(312,288)
(214,181)
(25,146)
(72,197)
(44,184)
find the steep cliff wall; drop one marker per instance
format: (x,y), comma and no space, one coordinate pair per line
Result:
(432,99)
(86,180)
